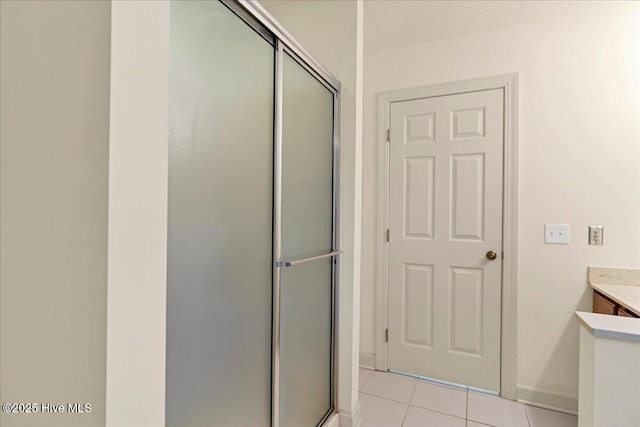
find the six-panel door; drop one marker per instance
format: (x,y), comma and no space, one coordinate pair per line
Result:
(445,219)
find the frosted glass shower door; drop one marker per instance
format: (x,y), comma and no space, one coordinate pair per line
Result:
(252,259)
(306,281)
(220,263)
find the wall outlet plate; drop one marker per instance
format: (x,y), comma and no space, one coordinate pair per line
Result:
(595,235)
(556,234)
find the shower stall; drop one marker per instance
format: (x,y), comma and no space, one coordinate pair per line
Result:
(253,245)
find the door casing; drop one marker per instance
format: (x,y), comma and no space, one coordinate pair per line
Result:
(508,82)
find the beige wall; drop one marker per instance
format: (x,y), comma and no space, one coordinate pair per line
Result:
(579,164)
(329,31)
(55,128)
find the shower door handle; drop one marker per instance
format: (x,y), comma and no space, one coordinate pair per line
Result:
(305,260)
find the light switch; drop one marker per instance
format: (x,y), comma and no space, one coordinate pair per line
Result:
(556,234)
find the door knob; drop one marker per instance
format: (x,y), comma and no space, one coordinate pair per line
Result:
(491,255)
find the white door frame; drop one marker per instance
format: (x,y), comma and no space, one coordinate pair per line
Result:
(508,82)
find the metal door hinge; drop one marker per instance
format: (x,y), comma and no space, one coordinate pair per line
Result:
(389,135)
(388,234)
(386,335)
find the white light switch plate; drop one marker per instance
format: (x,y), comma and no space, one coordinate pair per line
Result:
(556,234)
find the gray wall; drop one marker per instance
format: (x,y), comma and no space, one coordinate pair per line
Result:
(54,165)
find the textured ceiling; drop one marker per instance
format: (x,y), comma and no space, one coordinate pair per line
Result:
(390,24)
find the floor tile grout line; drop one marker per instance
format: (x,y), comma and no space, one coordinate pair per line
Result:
(386,398)
(406,411)
(466,412)
(409,405)
(425,381)
(384,373)
(466,391)
(439,412)
(526,414)
(368,378)
(435,410)
(365,381)
(413,392)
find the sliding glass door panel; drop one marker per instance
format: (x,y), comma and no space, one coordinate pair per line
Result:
(219,308)
(306,288)
(251,184)
(307,163)
(305,343)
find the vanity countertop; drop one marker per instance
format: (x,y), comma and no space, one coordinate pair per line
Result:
(605,326)
(621,285)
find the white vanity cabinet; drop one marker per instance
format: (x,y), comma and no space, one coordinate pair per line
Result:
(609,390)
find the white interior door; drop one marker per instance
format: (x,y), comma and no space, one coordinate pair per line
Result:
(445,221)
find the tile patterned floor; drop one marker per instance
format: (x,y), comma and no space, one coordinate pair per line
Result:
(393,400)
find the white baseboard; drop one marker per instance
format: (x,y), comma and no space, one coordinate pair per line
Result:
(547,399)
(352,419)
(367,361)
(332,421)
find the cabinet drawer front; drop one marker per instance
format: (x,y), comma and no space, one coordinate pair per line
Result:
(602,305)
(625,313)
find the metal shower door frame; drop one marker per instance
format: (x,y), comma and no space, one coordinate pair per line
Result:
(262,22)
